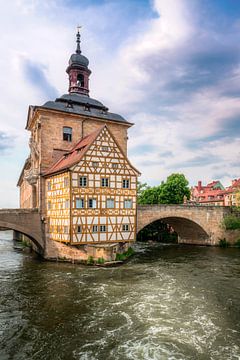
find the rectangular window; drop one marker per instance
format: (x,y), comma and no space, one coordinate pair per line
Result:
(67,203)
(79,203)
(125,183)
(127,204)
(79,229)
(49,205)
(65,229)
(110,203)
(66,182)
(67,133)
(95,164)
(104,148)
(125,227)
(83,181)
(114,165)
(95,228)
(58,229)
(92,203)
(102,228)
(105,182)
(49,187)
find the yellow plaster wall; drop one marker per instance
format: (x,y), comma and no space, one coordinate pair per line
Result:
(58,214)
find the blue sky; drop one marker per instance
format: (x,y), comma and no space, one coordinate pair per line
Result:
(170,66)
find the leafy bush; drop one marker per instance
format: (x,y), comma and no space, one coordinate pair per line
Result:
(130,252)
(100,260)
(125,255)
(120,257)
(90,260)
(231,222)
(223,243)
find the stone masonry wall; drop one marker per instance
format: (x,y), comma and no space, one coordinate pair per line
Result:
(199,220)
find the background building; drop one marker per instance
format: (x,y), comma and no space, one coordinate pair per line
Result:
(214,193)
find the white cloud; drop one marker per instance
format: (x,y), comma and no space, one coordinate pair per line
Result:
(152,74)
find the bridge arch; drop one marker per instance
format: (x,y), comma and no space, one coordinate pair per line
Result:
(9,226)
(188,231)
(26,222)
(194,224)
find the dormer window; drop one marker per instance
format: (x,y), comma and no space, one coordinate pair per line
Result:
(67,133)
(80,80)
(87,107)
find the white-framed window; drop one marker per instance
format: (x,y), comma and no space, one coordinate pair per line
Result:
(79,229)
(105,182)
(67,204)
(79,203)
(92,203)
(95,228)
(67,133)
(66,182)
(125,183)
(83,181)
(127,203)
(95,164)
(104,148)
(103,228)
(114,165)
(65,229)
(110,204)
(49,205)
(49,185)
(125,227)
(58,229)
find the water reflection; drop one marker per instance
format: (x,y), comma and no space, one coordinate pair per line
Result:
(168,302)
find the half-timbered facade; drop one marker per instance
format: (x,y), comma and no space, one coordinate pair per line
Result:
(91,193)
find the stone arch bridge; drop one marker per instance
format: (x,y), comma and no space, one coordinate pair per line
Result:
(194,225)
(24,221)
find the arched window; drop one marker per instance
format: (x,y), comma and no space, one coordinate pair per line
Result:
(80,80)
(67,133)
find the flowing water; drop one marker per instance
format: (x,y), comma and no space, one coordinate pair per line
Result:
(167,302)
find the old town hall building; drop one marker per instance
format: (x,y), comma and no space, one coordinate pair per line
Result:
(78,174)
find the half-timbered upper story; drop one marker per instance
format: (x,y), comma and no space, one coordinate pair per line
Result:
(91,192)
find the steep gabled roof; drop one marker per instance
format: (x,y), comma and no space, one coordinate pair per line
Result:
(73,156)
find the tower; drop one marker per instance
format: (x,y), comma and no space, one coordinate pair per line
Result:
(78,71)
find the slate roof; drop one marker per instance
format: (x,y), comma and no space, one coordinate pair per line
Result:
(83,105)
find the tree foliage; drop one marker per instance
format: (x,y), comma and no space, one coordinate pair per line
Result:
(172,191)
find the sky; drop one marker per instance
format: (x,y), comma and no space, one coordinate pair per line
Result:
(172,67)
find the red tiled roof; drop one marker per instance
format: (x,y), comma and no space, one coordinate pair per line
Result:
(73,156)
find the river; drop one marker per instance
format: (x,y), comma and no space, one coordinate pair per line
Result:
(167,302)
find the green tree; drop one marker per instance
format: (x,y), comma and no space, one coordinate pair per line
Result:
(149,195)
(174,190)
(141,187)
(170,192)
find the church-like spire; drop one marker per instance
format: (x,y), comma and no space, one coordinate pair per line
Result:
(78,70)
(78,50)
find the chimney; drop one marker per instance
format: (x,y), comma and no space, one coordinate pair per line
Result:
(199,187)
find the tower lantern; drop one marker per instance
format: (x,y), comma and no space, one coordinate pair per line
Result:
(78,71)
